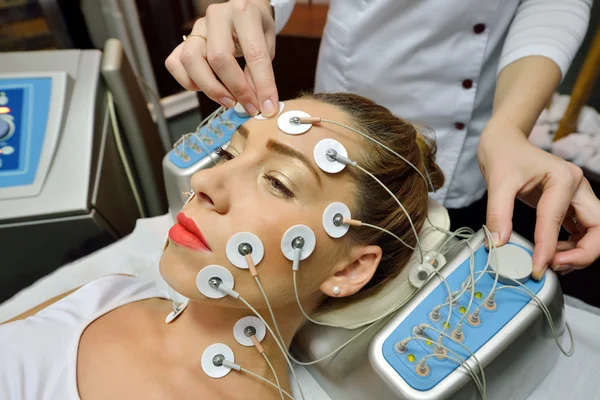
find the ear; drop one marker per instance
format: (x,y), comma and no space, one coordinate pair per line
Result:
(350,278)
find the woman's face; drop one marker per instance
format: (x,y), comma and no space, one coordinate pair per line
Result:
(269,183)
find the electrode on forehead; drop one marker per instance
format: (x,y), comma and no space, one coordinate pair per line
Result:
(261,117)
(289,122)
(246,327)
(176,312)
(213,357)
(211,274)
(333,219)
(325,154)
(298,237)
(242,244)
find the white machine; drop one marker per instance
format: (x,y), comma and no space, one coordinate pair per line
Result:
(62,165)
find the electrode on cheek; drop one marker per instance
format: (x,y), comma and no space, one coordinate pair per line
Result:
(247,327)
(210,278)
(331,156)
(298,243)
(244,244)
(290,122)
(213,359)
(333,219)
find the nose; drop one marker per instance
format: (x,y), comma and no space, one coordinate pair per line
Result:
(211,188)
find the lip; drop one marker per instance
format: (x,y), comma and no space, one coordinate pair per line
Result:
(186,233)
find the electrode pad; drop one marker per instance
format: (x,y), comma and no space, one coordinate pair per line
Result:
(233,249)
(208,357)
(336,230)
(512,262)
(175,313)
(239,330)
(306,234)
(291,128)
(326,163)
(213,271)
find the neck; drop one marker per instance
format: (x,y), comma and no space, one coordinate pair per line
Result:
(203,324)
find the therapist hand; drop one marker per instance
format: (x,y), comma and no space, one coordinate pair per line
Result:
(514,168)
(233,29)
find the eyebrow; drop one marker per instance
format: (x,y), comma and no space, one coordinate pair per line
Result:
(285,150)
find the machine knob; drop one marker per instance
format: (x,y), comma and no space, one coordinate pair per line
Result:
(7,128)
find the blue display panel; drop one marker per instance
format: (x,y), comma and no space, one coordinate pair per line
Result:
(211,136)
(24,108)
(508,304)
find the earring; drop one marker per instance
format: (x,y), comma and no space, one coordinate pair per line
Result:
(336,290)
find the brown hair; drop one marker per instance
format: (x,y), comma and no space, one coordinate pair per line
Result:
(373,204)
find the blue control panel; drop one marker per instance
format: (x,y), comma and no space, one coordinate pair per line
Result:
(508,303)
(211,136)
(24,107)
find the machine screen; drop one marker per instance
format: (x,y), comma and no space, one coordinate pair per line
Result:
(24,107)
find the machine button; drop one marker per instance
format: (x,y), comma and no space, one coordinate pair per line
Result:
(467,84)
(459,125)
(4,129)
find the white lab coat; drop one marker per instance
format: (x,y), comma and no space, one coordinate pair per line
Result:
(436,62)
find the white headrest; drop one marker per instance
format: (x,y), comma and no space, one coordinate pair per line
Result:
(315,341)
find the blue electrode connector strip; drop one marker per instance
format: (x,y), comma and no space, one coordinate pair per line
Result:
(508,304)
(213,135)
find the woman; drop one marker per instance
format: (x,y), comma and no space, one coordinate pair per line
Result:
(478,72)
(109,340)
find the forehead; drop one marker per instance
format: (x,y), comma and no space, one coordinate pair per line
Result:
(306,142)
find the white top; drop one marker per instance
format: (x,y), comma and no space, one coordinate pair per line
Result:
(38,355)
(436,62)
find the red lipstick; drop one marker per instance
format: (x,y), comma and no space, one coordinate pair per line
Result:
(186,233)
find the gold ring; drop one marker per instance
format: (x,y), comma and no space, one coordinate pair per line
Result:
(194,34)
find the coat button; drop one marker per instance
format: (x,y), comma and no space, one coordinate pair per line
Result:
(467,84)
(459,125)
(479,28)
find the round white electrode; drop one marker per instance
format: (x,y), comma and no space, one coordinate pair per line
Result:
(208,360)
(261,117)
(320,155)
(419,273)
(239,330)
(233,249)
(329,222)
(213,271)
(284,123)
(512,262)
(295,231)
(176,312)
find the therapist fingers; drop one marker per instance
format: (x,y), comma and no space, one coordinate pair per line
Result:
(582,248)
(175,67)
(559,187)
(256,36)
(188,65)
(500,206)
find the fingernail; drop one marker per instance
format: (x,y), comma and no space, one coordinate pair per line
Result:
(563,273)
(496,237)
(268,108)
(227,102)
(538,272)
(251,109)
(562,267)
